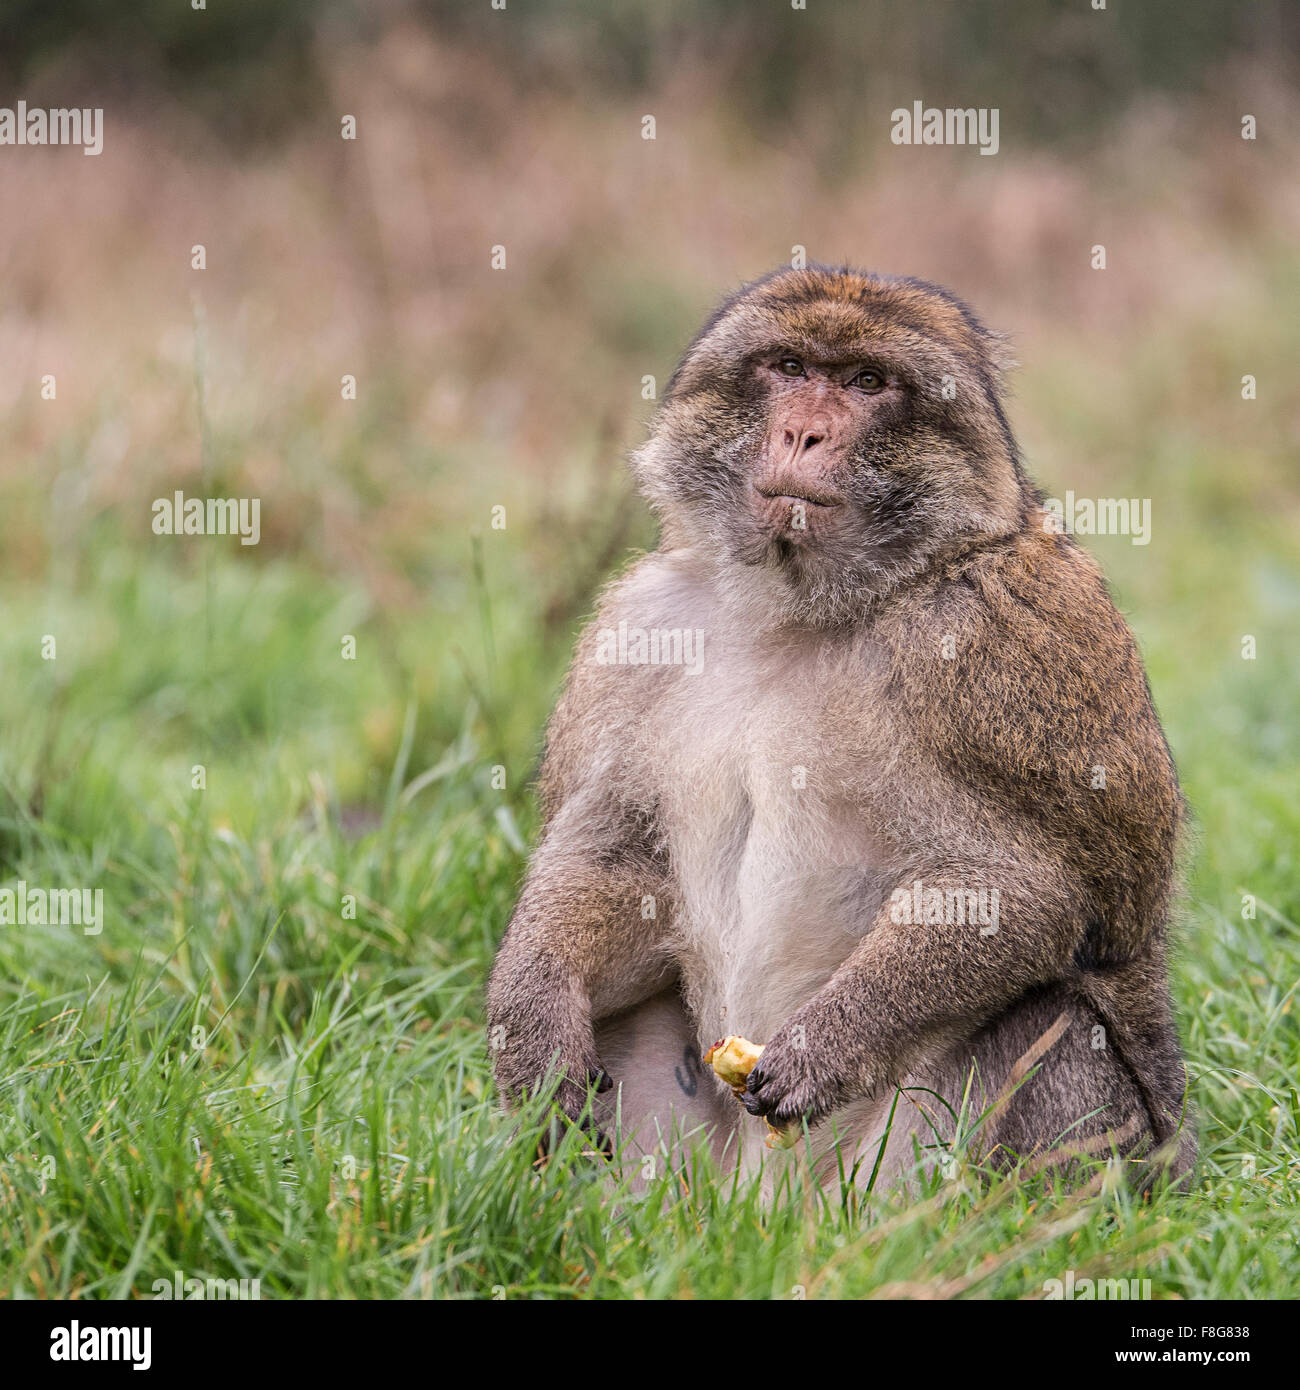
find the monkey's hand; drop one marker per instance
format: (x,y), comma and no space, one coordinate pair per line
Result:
(577,1088)
(571,1101)
(733,1060)
(532,1043)
(805,1072)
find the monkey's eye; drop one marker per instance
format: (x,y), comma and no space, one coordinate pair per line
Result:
(790,366)
(870,381)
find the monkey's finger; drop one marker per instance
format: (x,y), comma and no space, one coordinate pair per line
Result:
(549,1139)
(756,1105)
(597,1141)
(604,1145)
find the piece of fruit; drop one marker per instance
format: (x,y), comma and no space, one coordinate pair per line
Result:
(732,1059)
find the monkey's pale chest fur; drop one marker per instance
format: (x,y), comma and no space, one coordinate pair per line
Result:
(776,862)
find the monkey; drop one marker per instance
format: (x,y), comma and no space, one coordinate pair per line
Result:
(908,817)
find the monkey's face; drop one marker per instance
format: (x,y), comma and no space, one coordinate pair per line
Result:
(818,413)
(839,430)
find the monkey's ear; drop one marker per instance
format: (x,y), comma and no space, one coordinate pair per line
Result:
(1000,352)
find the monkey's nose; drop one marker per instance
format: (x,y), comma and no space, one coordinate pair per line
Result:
(809,439)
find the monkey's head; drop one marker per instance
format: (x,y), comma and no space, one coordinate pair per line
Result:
(839,431)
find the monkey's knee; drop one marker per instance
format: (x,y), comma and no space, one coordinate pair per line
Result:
(1054,1093)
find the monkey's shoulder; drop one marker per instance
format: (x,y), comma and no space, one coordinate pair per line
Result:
(648,632)
(1017,663)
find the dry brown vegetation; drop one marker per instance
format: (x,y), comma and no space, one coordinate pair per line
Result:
(372,257)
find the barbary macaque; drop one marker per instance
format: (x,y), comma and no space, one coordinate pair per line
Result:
(908,818)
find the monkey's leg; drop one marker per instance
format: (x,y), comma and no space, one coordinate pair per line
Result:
(1053,1086)
(664,1099)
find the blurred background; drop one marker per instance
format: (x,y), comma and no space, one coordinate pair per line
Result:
(522,387)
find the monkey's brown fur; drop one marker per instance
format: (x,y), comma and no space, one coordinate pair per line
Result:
(921,682)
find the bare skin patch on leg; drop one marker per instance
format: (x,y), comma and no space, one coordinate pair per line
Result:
(664,1099)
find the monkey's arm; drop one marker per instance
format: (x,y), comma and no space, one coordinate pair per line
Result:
(587,935)
(580,946)
(907,984)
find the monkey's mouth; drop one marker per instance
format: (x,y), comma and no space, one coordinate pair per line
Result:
(794,514)
(787,494)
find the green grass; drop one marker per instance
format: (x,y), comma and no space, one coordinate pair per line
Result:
(236,1080)
(239,1079)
